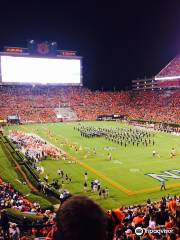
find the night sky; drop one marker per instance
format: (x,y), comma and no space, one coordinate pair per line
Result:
(118,40)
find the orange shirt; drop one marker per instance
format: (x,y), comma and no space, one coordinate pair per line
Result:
(138,220)
(172,206)
(120,215)
(1,181)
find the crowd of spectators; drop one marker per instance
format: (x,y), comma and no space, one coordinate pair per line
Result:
(34,147)
(172,69)
(155,106)
(153,217)
(10,198)
(159,220)
(169,84)
(38,104)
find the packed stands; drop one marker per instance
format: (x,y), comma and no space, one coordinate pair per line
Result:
(169,83)
(152,216)
(172,69)
(10,198)
(39,104)
(155,106)
(169,76)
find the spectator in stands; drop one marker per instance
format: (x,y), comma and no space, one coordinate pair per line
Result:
(5,224)
(81,218)
(14,232)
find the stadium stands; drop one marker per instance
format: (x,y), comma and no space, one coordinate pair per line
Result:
(155,107)
(40,104)
(10,198)
(160,220)
(169,76)
(151,216)
(172,69)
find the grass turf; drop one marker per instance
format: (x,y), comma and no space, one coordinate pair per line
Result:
(9,174)
(127,168)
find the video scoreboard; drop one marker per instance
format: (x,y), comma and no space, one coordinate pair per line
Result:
(21,66)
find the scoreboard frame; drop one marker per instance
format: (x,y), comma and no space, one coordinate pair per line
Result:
(25,54)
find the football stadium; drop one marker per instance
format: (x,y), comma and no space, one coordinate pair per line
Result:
(60,139)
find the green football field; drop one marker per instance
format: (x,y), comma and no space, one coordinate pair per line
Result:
(125,175)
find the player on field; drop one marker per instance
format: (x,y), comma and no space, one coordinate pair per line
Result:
(173,152)
(155,154)
(85,186)
(163,185)
(85,176)
(62,173)
(94,150)
(59,172)
(110,156)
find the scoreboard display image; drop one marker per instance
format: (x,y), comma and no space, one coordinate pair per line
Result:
(22,70)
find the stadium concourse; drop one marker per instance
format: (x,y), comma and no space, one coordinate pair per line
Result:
(38,104)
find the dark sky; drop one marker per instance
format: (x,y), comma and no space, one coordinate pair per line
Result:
(119,40)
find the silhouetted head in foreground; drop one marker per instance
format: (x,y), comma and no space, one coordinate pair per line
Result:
(81,218)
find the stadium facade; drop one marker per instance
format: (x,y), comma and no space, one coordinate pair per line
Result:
(167,78)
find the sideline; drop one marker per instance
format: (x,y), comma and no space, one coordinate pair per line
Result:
(18,167)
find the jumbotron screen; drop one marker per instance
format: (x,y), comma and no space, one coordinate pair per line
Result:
(40,70)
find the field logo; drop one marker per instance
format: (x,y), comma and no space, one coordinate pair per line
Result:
(174,174)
